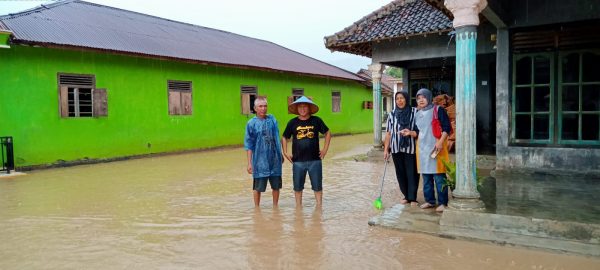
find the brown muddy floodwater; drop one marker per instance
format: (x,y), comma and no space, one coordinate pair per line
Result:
(195,211)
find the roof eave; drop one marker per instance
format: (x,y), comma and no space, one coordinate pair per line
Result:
(350,45)
(185,60)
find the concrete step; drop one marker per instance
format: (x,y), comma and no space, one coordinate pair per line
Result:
(564,236)
(553,235)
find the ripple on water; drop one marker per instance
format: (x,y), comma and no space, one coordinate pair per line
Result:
(195,211)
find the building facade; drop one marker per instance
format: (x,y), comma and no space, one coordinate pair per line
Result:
(84,82)
(537,93)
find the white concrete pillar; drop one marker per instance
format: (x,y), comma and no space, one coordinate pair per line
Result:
(376,71)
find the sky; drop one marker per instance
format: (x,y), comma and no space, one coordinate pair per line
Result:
(299,25)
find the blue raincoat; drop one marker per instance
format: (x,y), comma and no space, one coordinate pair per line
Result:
(262,137)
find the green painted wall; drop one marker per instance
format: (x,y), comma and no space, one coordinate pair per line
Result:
(138,121)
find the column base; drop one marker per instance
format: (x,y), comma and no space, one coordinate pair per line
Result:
(466,204)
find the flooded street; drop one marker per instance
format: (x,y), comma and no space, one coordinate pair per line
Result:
(195,211)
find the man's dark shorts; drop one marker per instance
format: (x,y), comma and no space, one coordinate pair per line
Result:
(314,168)
(260,184)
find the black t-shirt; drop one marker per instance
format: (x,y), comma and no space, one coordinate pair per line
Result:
(305,144)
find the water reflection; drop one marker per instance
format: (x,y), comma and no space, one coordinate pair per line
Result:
(307,234)
(542,195)
(195,211)
(266,244)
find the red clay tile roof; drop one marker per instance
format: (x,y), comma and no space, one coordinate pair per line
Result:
(79,24)
(387,81)
(400,18)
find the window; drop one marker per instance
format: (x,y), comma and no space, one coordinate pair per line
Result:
(557,110)
(415,86)
(579,98)
(438,80)
(296,94)
(248,95)
(79,97)
(533,98)
(336,101)
(437,87)
(180,97)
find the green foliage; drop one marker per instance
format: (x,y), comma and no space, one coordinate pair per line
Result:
(394,72)
(451,175)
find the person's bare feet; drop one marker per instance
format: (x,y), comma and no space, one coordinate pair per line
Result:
(403,201)
(426,205)
(414,204)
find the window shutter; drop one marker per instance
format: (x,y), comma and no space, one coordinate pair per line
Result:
(100,102)
(64,101)
(298,91)
(186,102)
(246,104)
(290,100)
(174,102)
(336,98)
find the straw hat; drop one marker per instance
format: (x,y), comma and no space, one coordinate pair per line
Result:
(293,108)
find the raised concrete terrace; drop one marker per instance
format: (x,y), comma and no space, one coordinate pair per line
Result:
(550,211)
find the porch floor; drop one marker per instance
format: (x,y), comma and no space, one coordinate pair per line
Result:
(557,212)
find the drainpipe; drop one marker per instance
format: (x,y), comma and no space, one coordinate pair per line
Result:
(376,70)
(466,20)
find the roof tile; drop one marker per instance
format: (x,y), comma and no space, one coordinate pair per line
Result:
(397,19)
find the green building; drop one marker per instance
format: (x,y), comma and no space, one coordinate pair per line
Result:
(84,82)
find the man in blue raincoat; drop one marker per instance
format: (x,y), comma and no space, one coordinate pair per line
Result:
(263,148)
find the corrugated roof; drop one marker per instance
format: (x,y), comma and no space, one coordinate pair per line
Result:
(82,24)
(401,18)
(3,28)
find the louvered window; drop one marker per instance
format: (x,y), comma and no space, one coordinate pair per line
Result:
(336,101)
(248,95)
(561,37)
(79,97)
(180,97)
(556,85)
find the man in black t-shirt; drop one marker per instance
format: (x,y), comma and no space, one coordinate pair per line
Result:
(306,156)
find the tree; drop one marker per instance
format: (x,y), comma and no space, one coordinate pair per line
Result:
(394,72)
